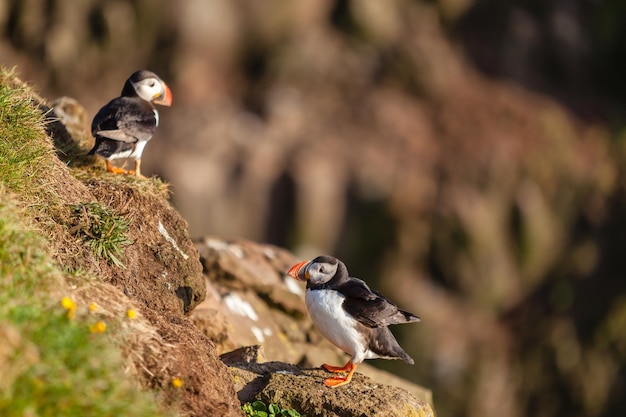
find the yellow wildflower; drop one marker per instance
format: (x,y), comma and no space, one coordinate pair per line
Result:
(98,327)
(69,304)
(93,307)
(131,314)
(177,382)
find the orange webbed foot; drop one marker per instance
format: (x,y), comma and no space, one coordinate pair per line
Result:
(338,369)
(115,170)
(337,381)
(136,174)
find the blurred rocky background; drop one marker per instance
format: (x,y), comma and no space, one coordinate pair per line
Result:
(465,157)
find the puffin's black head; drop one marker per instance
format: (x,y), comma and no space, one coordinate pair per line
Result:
(319,270)
(147,86)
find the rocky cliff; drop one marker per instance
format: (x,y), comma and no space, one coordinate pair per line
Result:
(124,251)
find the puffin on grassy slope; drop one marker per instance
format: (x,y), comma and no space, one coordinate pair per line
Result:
(124,126)
(349,314)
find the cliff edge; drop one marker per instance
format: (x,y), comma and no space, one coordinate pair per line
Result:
(119,270)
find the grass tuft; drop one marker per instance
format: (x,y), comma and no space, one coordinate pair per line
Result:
(103,231)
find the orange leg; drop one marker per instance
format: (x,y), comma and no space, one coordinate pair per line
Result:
(137,170)
(337,380)
(113,169)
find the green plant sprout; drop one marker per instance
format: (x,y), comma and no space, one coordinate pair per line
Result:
(102,230)
(260,409)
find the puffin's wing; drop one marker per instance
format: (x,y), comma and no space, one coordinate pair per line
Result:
(371,308)
(125,119)
(118,135)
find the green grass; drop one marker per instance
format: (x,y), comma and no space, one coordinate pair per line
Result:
(24,157)
(101,230)
(53,360)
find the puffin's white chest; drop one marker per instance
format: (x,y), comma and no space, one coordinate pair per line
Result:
(333,322)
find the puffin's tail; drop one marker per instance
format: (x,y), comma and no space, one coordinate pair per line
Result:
(386,345)
(408,317)
(401,317)
(405,357)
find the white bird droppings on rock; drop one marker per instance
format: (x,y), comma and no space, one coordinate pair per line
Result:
(258,333)
(216,244)
(236,250)
(171,240)
(239,306)
(293,286)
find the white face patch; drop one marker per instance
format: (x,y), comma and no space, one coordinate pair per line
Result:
(321,272)
(328,315)
(148,89)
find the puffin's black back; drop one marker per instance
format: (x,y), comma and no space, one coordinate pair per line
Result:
(132,116)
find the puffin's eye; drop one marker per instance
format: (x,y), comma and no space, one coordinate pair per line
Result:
(151,84)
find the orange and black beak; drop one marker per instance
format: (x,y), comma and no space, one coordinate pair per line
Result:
(165,98)
(299,272)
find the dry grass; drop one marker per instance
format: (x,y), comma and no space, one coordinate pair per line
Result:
(58,358)
(137,339)
(153,186)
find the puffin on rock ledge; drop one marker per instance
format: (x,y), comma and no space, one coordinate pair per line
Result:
(124,126)
(349,314)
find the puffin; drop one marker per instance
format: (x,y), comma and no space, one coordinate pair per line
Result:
(352,316)
(123,127)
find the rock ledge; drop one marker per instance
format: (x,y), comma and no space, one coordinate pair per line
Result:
(291,386)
